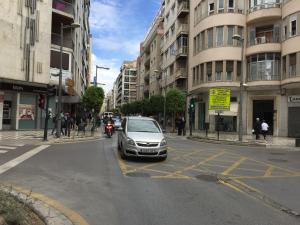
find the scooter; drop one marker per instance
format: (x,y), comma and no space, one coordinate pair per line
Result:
(109,130)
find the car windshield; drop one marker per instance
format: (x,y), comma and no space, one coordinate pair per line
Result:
(149,126)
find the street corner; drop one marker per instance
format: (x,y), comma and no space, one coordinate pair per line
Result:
(51,211)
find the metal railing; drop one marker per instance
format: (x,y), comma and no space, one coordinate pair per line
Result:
(292,70)
(183,6)
(183,50)
(264,6)
(263,77)
(183,28)
(181,72)
(63,6)
(265,39)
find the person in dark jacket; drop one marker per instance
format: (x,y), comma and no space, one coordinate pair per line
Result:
(257,128)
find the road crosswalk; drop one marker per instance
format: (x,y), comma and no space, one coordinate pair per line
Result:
(6,148)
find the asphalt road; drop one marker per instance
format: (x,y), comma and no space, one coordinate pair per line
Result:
(91,179)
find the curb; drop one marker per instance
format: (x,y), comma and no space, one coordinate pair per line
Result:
(207,140)
(50,211)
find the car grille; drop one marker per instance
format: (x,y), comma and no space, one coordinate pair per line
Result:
(147,144)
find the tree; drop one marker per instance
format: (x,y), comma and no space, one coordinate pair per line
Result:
(93,98)
(156,104)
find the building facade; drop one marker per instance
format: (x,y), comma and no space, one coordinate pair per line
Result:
(30,57)
(126,83)
(266,65)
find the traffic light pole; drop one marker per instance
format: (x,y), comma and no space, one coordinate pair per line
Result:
(46,119)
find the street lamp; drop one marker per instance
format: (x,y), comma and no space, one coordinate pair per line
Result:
(240,40)
(62,28)
(96,78)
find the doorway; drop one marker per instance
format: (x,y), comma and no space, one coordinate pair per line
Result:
(7,115)
(201,116)
(264,110)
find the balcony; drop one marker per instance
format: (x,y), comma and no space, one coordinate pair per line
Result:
(147,60)
(182,51)
(182,29)
(67,42)
(264,11)
(63,6)
(54,76)
(183,9)
(181,73)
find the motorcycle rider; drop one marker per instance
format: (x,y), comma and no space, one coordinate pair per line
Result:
(109,120)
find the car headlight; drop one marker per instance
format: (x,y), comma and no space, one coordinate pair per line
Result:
(130,142)
(163,142)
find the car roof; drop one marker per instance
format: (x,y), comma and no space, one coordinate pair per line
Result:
(139,118)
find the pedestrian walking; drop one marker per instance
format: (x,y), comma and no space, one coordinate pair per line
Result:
(257,128)
(178,125)
(54,120)
(182,124)
(264,128)
(68,124)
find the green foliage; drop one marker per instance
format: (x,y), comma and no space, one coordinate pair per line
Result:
(175,101)
(93,98)
(156,104)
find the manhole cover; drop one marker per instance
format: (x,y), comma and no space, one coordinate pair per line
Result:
(137,174)
(277,153)
(278,160)
(208,177)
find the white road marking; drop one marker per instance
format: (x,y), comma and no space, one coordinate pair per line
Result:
(7,147)
(2,151)
(22,158)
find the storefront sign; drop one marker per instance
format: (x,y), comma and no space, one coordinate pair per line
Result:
(219,99)
(22,88)
(26,112)
(294,99)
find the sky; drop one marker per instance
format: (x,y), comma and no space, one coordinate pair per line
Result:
(118,27)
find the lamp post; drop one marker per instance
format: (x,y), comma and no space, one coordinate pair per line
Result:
(240,40)
(62,28)
(96,78)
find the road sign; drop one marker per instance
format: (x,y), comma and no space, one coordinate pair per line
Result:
(219,99)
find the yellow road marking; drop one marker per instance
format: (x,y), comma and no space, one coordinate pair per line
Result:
(262,177)
(200,163)
(235,165)
(247,186)
(70,214)
(269,171)
(239,168)
(122,165)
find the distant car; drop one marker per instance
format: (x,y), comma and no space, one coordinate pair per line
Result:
(117,122)
(141,137)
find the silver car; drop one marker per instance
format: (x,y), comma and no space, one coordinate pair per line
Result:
(141,137)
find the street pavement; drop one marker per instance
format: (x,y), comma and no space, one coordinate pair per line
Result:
(199,183)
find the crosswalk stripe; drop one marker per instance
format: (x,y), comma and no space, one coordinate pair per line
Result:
(7,147)
(2,151)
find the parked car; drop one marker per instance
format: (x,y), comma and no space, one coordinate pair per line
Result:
(117,122)
(141,137)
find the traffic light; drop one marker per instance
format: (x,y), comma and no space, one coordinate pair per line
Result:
(42,101)
(192,105)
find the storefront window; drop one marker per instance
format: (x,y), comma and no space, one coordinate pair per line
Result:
(226,123)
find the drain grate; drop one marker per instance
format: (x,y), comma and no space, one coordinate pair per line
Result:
(278,160)
(208,177)
(138,174)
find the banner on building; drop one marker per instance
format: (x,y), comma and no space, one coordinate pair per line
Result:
(26,112)
(219,99)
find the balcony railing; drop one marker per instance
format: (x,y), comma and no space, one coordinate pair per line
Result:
(266,38)
(183,28)
(55,39)
(183,6)
(63,6)
(265,5)
(183,50)
(292,70)
(181,73)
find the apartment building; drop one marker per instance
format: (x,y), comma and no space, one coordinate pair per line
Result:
(175,43)
(149,61)
(266,65)
(126,83)
(30,57)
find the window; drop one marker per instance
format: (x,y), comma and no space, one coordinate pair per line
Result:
(201,73)
(240,32)
(203,40)
(172,29)
(194,75)
(195,45)
(292,66)
(209,71)
(211,7)
(230,35)
(283,67)
(167,18)
(219,70)
(210,38)
(238,70)
(219,41)
(230,5)
(221,6)
(293,24)
(229,70)
(167,35)
(284,32)
(197,73)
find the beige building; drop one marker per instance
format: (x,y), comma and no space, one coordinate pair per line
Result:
(126,83)
(149,61)
(30,57)
(270,70)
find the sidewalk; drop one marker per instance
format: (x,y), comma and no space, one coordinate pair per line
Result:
(271,141)
(36,136)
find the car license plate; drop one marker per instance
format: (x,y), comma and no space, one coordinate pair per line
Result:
(147,150)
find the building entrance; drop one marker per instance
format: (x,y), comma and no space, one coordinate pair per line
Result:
(201,116)
(264,110)
(7,115)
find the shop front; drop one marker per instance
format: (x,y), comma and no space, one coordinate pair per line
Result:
(294,116)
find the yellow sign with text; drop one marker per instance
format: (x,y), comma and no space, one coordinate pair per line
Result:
(219,99)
